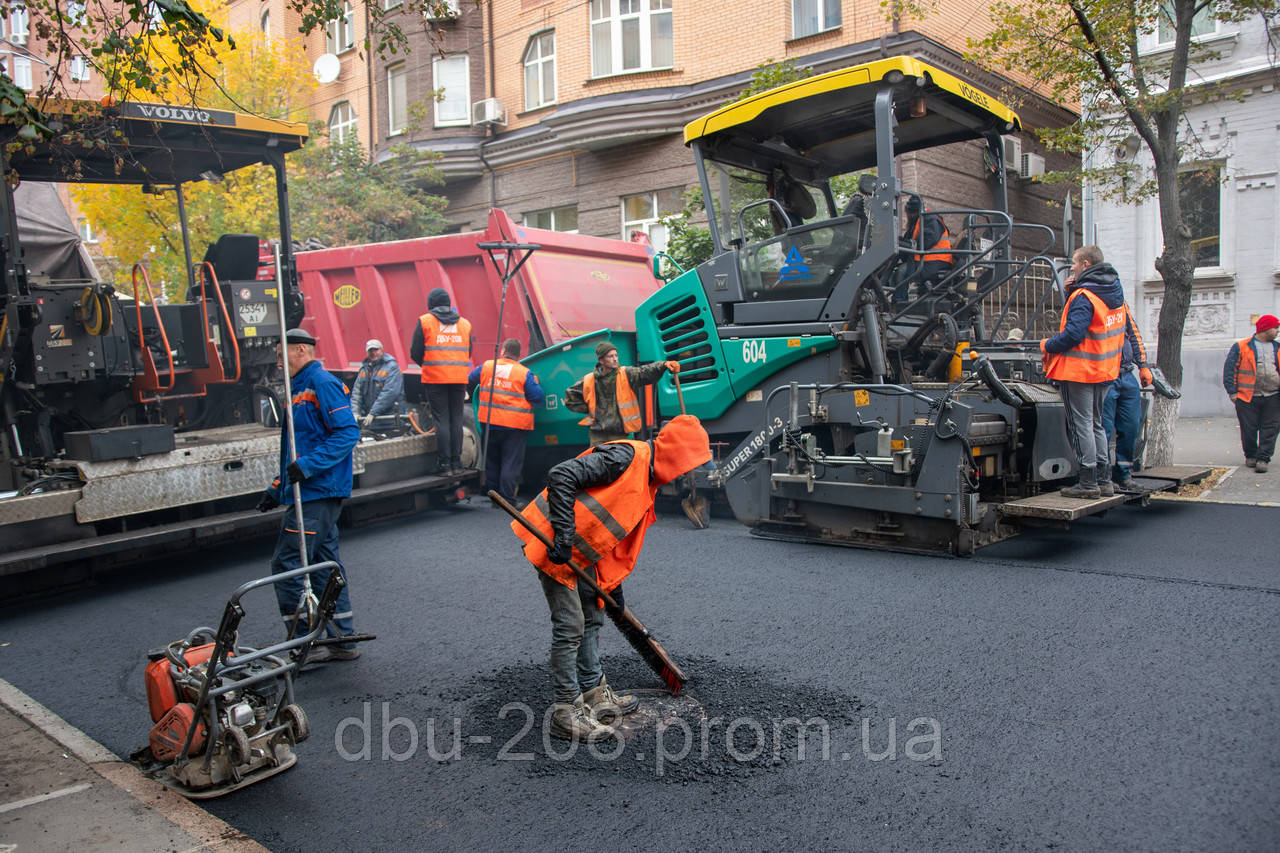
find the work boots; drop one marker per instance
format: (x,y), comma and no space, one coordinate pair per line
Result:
(573,721)
(605,705)
(1086,488)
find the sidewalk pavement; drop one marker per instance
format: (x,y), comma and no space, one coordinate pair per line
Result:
(60,790)
(63,791)
(1216,442)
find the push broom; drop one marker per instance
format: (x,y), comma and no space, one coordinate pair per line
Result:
(650,650)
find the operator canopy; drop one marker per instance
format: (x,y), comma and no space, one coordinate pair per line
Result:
(824,126)
(158,144)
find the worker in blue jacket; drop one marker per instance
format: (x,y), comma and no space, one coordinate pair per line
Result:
(379,387)
(325,432)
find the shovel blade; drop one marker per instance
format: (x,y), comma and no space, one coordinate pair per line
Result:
(697,510)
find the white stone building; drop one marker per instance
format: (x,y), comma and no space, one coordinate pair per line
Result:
(1236,218)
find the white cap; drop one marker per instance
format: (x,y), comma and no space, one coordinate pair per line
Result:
(372,343)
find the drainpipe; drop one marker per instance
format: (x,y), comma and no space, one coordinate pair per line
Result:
(368,76)
(490,131)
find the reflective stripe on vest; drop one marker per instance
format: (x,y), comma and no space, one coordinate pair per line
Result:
(628,405)
(1097,357)
(1247,370)
(603,516)
(446,350)
(509,407)
(944,242)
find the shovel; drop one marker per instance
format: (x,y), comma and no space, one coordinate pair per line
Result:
(694,507)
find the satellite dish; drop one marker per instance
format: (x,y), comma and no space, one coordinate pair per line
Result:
(327,68)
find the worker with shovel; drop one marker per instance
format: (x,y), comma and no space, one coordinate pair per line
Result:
(595,511)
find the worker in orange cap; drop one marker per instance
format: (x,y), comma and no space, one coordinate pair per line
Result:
(596,509)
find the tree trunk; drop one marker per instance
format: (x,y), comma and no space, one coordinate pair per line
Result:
(1176,265)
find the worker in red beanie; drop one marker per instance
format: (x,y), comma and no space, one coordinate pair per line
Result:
(1251,376)
(596,509)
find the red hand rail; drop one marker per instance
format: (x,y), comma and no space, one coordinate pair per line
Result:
(226,315)
(164,336)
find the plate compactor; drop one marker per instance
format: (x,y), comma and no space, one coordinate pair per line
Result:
(225,714)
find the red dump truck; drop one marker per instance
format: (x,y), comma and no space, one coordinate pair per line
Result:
(572,285)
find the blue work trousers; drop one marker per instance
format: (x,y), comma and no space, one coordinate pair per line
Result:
(1122,417)
(504,460)
(320,517)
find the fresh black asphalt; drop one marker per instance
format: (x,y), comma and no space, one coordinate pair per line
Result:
(1113,686)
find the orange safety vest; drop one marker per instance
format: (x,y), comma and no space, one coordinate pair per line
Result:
(1097,357)
(944,242)
(628,405)
(509,407)
(446,350)
(610,522)
(1247,370)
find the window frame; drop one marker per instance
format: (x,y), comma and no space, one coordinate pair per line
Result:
(344,26)
(646,224)
(21,70)
(264,21)
(1217,169)
(398,71)
(19,29)
(338,131)
(466,92)
(825,25)
(615,24)
(84,228)
(79,69)
(552,212)
(539,65)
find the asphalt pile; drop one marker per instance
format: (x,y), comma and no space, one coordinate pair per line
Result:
(729,723)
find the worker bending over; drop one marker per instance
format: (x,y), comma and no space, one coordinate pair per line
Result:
(596,509)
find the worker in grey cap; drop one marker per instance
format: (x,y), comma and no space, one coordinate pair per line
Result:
(379,387)
(607,395)
(324,433)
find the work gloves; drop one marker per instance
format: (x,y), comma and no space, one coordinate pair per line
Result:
(561,550)
(1144,374)
(295,472)
(673,366)
(268,501)
(366,420)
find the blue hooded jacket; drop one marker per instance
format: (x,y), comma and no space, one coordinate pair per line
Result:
(326,433)
(1104,281)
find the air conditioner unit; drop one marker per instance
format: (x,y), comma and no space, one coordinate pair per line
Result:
(1012,153)
(488,111)
(448,12)
(1032,166)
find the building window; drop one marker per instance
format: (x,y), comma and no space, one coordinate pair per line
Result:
(75,12)
(1200,193)
(397,99)
(264,22)
(641,213)
(19,25)
(340,35)
(441,10)
(540,71)
(630,35)
(86,231)
(452,78)
(342,123)
(1203,24)
(391,4)
(22,73)
(813,16)
(554,219)
(78,69)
